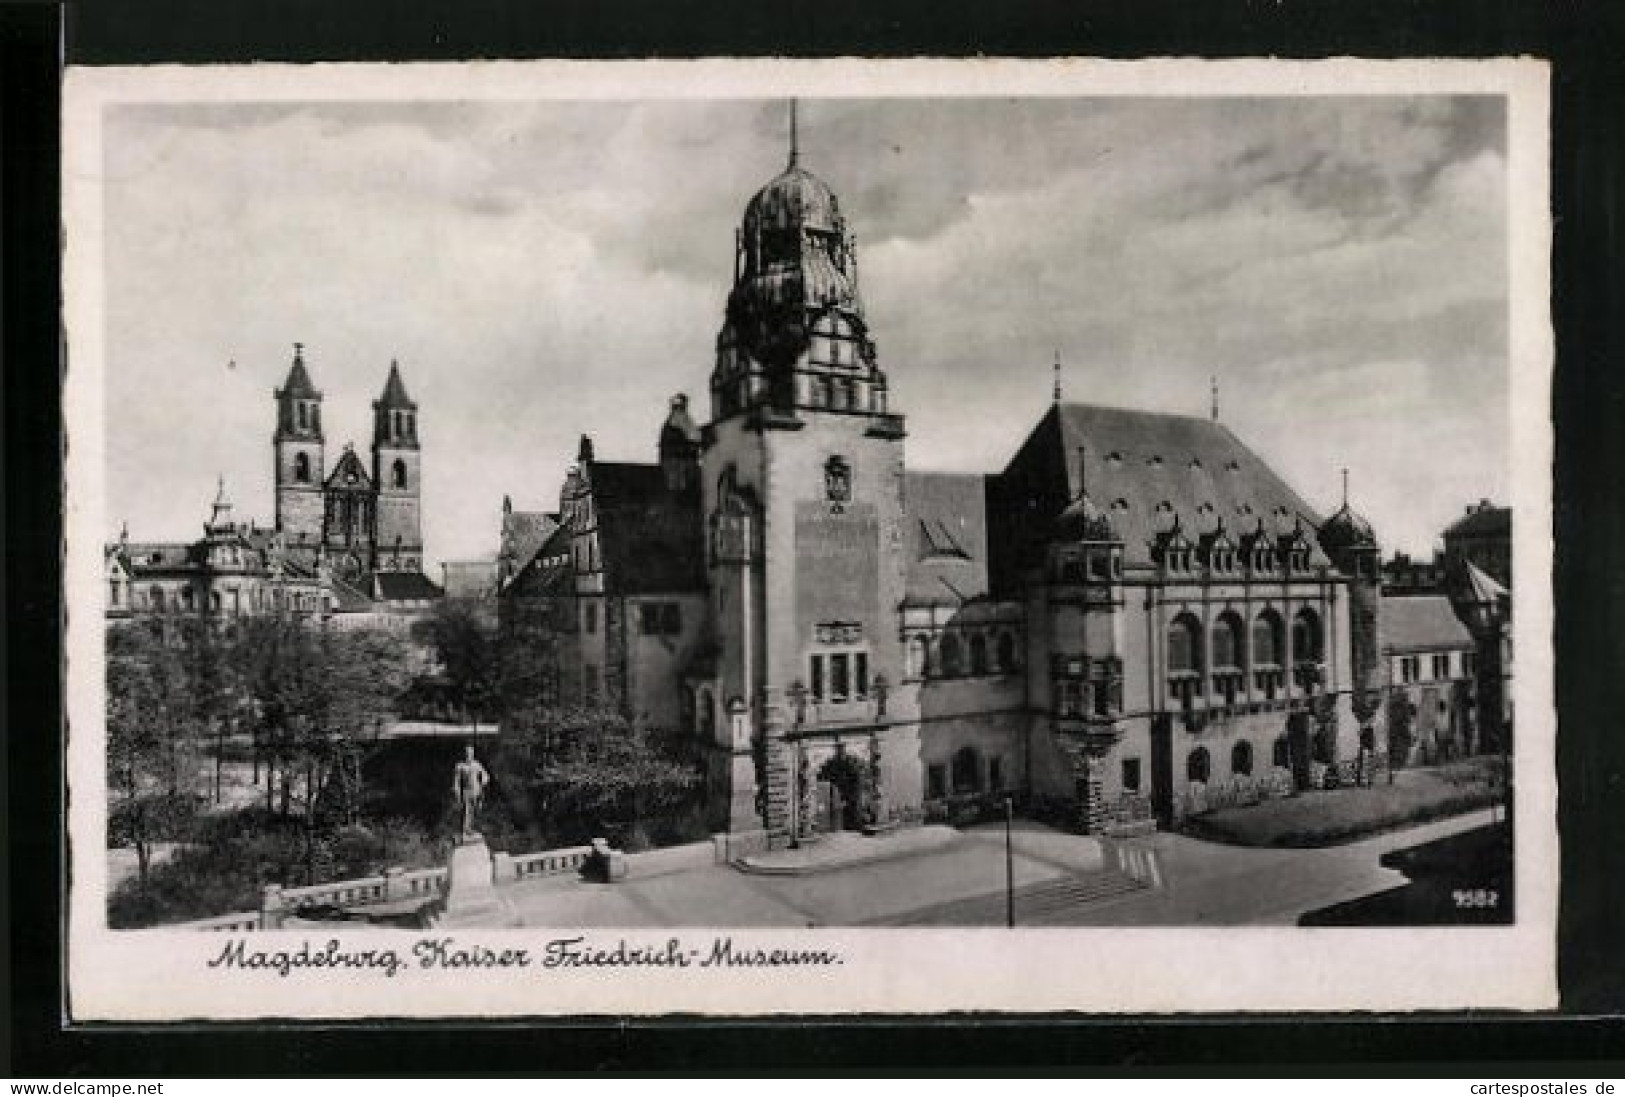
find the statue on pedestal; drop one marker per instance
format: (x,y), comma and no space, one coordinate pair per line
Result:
(468,788)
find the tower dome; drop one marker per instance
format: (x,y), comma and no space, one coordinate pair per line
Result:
(1082,520)
(1346,530)
(794,200)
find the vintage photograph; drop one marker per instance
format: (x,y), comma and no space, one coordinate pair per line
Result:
(624,519)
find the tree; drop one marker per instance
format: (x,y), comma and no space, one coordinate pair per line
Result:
(154,722)
(584,772)
(323,696)
(463,634)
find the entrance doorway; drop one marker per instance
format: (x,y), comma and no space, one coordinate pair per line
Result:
(844,779)
(1162,770)
(1297,746)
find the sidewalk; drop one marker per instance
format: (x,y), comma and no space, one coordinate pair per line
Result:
(846,848)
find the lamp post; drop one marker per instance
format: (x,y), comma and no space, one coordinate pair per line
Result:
(798,701)
(1009,866)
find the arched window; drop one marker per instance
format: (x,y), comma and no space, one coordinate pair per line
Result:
(1228,644)
(707,713)
(214,601)
(185,598)
(1281,755)
(978,653)
(967,770)
(1198,766)
(1185,645)
(157,597)
(1241,758)
(1007,653)
(1267,639)
(301,467)
(949,657)
(398,473)
(304,416)
(1306,638)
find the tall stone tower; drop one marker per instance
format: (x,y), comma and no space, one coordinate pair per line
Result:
(1351,545)
(802,484)
(299,449)
(396,470)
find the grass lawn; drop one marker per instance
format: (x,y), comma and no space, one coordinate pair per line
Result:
(1312,819)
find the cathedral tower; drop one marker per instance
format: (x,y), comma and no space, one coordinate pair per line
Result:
(396,468)
(299,448)
(802,474)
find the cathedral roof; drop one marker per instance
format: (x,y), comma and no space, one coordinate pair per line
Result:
(349,473)
(1420,623)
(1478,586)
(395,391)
(1143,471)
(946,561)
(298,382)
(651,538)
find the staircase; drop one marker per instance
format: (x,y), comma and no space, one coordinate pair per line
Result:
(1046,903)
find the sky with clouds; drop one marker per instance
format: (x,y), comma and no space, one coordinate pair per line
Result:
(544,269)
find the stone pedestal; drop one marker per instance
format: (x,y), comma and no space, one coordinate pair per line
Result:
(471,894)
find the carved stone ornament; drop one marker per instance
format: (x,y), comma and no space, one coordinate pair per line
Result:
(838,632)
(838,480)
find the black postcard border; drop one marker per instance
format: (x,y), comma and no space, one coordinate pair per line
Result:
(1587,48)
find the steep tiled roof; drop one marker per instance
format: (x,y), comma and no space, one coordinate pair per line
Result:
(651,538)
(946,551)
(523,532)
(298,382)
(405,586)
(156,554)
(1141,468)
(1420,623)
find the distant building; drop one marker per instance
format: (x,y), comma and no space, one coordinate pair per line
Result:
(1482,537)
(473,580)
(1431,662)
(232,571)
(347,545)
(1134,617)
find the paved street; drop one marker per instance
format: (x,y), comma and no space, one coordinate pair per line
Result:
(962,883)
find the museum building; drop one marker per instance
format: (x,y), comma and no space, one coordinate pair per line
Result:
(1136,618)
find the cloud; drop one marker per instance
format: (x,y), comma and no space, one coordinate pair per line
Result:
(544,269)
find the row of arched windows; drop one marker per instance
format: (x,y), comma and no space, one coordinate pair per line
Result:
(1230,641)
(961,652)
(1199,764)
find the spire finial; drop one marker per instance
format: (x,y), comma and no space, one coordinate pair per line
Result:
(795,150)
(1057,377)
(299,352)
(1083,474)
(1213,381)
(1345,488)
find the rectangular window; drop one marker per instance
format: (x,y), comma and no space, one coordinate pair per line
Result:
(861,664)
(661,618)
(995,773)
(936,782)
(1131,775)
(1441,666)
(1467,663)
(589,616)
(840,682)
(115,592)
(817,677)
(589,683)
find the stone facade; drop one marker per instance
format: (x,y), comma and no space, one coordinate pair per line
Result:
(1135,618)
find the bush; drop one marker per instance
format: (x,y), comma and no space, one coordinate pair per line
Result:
(236,855)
